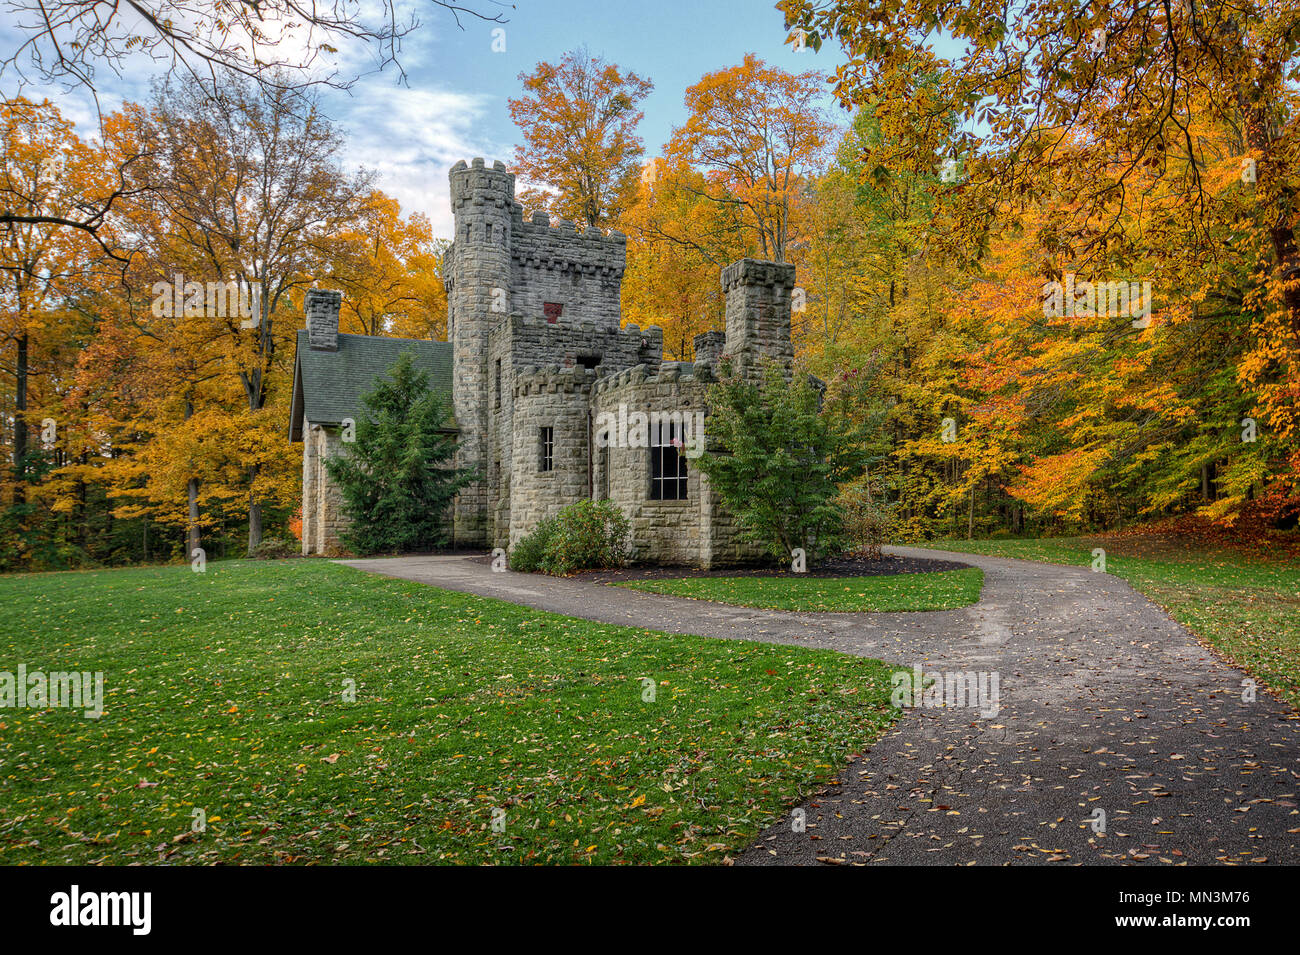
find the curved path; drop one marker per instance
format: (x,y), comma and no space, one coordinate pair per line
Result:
(1105,704)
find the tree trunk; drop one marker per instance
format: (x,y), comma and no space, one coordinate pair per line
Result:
(192,493)
(1275,199)
(192,535)
(254,518)
(970,516)
(20,423)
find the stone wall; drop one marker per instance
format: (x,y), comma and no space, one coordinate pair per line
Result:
(709,347)
(556,398)
(582,272)
(322,501)
(758,314)
(696,531)
(499,268)
(477,276)
(529,304)
(518,342)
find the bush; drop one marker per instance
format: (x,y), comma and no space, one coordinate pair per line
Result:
(588,535)
(865,521)
(527,554)
(273,548)
(773,460)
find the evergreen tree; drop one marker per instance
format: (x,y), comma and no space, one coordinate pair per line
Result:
(775,461)
(396,476)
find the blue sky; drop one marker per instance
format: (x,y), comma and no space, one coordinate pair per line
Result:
(453,105)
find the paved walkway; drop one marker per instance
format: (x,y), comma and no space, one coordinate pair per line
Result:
(1106,704)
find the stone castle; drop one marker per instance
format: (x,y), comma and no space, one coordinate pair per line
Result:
(554,402)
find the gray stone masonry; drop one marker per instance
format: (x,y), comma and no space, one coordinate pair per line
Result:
(322,308)
(533,318)
(558,399)
(695,531)
(322,500)
(708,349)
(500,266)
(758,314)
(517,342)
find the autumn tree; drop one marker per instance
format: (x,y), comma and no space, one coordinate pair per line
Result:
(279,45)
(388,266)
(758,134)
(578,119)
(249,194)
(276,43)
(678,241)
(1088,112)
(44,166)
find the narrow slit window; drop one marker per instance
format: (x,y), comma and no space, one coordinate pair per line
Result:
(546,449)
(604,473)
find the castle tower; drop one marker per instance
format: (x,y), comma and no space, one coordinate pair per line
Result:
(758,315)
(479,283)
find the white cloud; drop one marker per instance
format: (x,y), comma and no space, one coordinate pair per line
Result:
(412,138)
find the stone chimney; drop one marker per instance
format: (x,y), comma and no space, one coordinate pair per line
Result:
(322,307)
(758,315)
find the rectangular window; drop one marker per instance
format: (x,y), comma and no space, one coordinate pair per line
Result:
(498,391)
(546,449)
(667,463)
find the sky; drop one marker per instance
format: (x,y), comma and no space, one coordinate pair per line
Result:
(452,105)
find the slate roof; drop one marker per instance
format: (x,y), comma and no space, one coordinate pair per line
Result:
(328,385)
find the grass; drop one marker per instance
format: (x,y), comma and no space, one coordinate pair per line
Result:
(1246,607)
(225,692)
(945,590)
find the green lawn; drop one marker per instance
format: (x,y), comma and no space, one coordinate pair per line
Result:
(899,592)
(1246,607)
(225,692)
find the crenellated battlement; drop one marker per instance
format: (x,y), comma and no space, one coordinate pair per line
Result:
(478,184)
(756,272)
(536,243)
(534,315)
(648,340)
(758,307)
(552,379)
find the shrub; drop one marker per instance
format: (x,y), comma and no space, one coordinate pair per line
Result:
(273,548)
(865,520)
(772,460)
(587,535)
(527,554)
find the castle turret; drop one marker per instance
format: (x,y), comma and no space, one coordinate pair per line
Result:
(758,314)
(478,281)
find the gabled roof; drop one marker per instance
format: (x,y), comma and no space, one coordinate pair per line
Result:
(328,385)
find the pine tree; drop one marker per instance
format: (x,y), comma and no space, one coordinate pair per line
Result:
(396,476)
